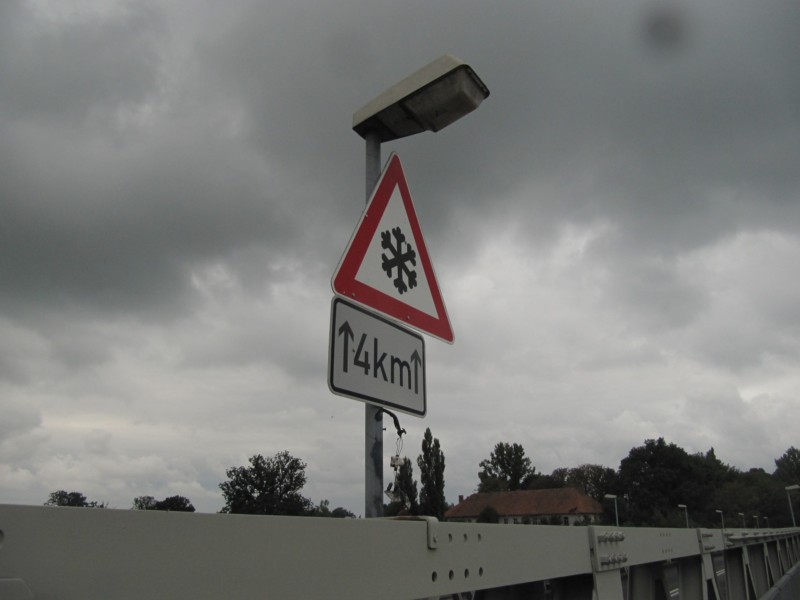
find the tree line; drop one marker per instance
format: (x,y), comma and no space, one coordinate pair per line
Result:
(656,480)
(650,484)
(273,485)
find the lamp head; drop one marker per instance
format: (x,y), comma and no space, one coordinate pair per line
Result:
(428,100)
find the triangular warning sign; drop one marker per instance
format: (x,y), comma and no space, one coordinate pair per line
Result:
(386,265)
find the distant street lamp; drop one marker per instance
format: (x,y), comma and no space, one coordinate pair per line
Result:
(757,523)
(721,516)
(790,488)
(744,524)
(428,100)
(616,512)
(766,520)
(686,513)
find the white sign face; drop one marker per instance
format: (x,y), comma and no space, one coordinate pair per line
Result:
(394,253)
(386,266)
(375,360)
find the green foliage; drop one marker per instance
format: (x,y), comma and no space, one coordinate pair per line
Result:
(488,515)
(506,469)
(431,472)
(404,486)
(173,503)
(324,510)
(144,503)
(788,467)
(64,498)
(269,486)
(594,480)
(176,504)
(653,479)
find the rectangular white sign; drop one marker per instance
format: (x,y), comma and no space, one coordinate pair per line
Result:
(375,360)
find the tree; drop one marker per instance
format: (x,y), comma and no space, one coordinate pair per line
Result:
(173,503)
(405,490)
(144,503)
(506,469)
(540,481)
(488,514)
(431,474)
(788,467)
(323,509)
(342,513)
(656,478)
(595,480)
(63,498)
(269,486)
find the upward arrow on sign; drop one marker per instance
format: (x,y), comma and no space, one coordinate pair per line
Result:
(386,265)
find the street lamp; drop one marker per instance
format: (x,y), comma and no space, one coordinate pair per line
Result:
(427,100)
(766,520)
(790,488)
(721,516)
(616,512)
(686,513)
(757,523)
(744,524)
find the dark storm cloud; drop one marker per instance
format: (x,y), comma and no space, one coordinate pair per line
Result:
(55,72)
(95,217)
(663,138)
(178,181)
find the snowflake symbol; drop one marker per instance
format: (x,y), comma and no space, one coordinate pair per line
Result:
(399,260)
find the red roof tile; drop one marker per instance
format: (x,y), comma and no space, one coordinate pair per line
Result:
(561,501)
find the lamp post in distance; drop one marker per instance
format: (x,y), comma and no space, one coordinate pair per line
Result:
(721,516)
(758,524)
(428,100)
(616,512)
(791,488)
(744,524)
(686,513)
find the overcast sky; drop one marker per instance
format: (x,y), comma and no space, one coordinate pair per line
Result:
(616,232)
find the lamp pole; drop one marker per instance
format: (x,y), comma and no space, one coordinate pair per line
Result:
(788,489)
(686,513)
(722,517)
(744,524)
(373,416)
(616,512)
(428,100)
(758,524)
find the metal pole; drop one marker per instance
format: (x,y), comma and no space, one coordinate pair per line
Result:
(791,510)
(616,512)
(373,418)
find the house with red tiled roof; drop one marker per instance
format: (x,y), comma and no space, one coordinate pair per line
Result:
(563,506)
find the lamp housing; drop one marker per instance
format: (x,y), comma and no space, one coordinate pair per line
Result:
(430,99)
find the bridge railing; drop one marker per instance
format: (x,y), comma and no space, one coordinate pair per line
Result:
(77,553)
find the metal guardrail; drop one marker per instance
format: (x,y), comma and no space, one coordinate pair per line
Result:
(76,553)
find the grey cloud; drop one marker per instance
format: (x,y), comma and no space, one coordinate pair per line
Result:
(166,146)
(63,71)
(18,420)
